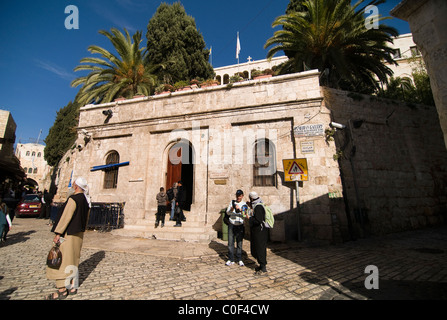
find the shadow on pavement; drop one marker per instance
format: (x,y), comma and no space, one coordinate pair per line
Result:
(340,272)
(87,266)
(222,251)
(19,237)
(5,295)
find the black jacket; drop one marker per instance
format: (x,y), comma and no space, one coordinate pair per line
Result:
(181,195)
(78,222)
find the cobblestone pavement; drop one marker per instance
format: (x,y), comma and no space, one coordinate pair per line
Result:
(411,265)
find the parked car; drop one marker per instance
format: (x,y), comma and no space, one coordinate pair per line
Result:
(29,206)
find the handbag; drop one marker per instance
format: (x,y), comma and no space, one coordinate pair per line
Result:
(54,258)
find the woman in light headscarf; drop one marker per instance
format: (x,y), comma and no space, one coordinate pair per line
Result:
(258,233)
(69,228)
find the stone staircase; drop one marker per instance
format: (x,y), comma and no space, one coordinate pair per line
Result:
(194,229)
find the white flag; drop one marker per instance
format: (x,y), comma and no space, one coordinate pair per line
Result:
(238,46)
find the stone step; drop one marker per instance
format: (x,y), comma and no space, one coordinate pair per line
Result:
(150,218)
(187,232)
(194,229)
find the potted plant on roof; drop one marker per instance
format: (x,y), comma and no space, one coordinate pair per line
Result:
(236,78)
(257,74)
(139,95)
(182,86)
(209,83)
(164,88)
(194,83)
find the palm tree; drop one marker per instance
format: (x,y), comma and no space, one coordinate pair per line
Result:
(331,36)
(114,76)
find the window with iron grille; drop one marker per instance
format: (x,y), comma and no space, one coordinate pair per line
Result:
(264,168)
(111,174)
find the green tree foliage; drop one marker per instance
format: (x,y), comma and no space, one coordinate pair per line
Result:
(113,76)
(404,89)
(331,36)
(62,134)
(174,41)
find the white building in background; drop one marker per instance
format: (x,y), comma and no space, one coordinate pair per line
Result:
(223,74)
(31,157)
(406,55)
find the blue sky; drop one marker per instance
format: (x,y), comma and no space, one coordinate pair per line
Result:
(38,54)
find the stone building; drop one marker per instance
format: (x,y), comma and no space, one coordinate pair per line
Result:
(427,20)
(11,174)
(223,74)
(385,171)
(406,55)
(38,172)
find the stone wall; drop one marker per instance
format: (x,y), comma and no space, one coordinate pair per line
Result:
(399,167)
(427,19)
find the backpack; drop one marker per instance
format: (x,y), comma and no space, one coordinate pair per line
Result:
(170,194)
(269,220)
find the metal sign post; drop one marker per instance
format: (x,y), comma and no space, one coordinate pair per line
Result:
(297,184)
(296,170)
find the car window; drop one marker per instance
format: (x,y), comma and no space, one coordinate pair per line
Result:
(31,198)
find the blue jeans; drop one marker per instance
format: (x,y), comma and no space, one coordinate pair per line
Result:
(172,209)
(235,234)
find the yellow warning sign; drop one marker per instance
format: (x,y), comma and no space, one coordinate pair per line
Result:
(295,169)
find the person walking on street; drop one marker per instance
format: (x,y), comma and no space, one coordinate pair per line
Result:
(48,198)
(5,221)
(236,228)
(180,202)
(162,199)
(69,231)
(258,233)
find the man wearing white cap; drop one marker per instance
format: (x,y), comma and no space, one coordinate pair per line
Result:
(69,228)
(258,233)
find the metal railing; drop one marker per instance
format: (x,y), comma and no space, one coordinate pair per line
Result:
(103,216)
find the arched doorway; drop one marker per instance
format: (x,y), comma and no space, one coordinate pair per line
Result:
(181,168)
(31,185)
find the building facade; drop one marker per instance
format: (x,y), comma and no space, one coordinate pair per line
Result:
(223,74)
(11,174)
(31,157)
(220,139)
(406,55)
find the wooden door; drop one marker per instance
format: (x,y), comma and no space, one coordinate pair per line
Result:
(174,173)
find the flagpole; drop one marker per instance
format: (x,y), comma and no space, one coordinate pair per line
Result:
(211,55)
(238,49)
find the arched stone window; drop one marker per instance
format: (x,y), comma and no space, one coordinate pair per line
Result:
(111,174)
(226,79)
(264,167)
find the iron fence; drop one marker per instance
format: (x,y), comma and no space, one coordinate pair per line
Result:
(103,216)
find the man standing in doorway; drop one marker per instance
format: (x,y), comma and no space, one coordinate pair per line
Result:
(181,198)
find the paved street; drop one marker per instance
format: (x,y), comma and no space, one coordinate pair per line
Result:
(410,265)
